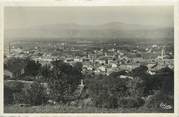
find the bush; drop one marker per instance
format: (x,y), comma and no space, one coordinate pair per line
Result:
(130,102)
(112,102)
(10,89)
(32,68)
(107,102)
(27,78)
(155,100)
(64,80)
(15,65)
(35,95)
(136,87)
(100,101)
(8,95)
(17,92)
(15,86)
(116,92)
(105,92)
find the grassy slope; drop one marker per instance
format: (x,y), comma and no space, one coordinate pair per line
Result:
(73,109)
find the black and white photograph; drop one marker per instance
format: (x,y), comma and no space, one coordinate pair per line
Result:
(93,59)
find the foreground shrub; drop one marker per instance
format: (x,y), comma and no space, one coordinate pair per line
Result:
(8,95)
(112,102)
(154,101)
(136,87)
(113,92)
(10,88)
(35,95)
(27,78)
(64,81)
(15,86)
(130,102)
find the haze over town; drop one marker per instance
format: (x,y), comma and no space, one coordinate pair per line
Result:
(88,22)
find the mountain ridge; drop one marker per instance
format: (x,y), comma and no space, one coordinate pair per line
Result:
(108,31)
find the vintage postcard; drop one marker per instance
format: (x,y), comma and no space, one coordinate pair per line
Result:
(83,58)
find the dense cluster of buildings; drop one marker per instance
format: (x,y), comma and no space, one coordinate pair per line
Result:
(98,61)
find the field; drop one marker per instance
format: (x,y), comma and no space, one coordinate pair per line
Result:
(73,109)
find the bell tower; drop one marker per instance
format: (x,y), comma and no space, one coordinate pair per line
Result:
(163,53)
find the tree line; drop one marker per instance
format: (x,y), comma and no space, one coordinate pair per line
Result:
(104,91)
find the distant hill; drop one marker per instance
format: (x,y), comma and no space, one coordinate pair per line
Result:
(113,30)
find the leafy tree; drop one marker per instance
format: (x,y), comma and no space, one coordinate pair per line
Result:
(111,88)
(64,80)
(142,80)
(45,72)
(167,76)
(140,71)
(8,95)
(163,80)
(136,87)
(15,65)
(10,90)
(116,74)
(35,95)
(32,68)
(78,66)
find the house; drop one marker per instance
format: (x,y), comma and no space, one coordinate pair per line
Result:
(128,67)
(102,68)
(113,65)
(151,72)
(8,74)
(124,77)
(137,59)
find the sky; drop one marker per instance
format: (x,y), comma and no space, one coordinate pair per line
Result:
(27,17)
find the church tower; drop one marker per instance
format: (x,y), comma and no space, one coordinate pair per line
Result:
(9,48)
(163,53)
